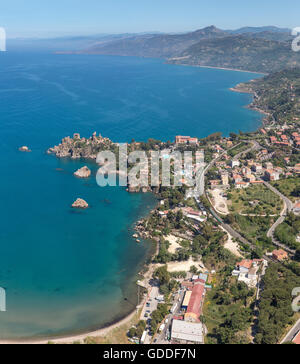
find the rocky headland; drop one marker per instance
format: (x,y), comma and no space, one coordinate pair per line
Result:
(83,172)
(78,147)
(80,204)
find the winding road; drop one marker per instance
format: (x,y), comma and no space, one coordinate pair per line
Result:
(288,204)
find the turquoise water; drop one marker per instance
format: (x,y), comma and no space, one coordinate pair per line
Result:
(67,271)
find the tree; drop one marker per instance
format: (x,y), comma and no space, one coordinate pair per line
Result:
(162,275)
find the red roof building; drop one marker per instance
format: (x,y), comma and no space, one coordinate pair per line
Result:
(185,139)
(194,309)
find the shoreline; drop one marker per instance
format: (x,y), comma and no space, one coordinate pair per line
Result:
(79,337)
(226,69)
(146,271)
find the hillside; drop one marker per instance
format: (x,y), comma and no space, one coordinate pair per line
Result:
(240,52)
(158,45)
(277,94)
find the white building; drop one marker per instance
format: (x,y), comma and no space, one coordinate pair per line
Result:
(187,332)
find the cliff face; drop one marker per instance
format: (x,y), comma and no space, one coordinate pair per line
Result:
(78,147)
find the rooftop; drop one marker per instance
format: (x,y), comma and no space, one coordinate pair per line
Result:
(187,331)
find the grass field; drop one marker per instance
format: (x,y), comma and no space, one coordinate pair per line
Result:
(287,186)
(256,200)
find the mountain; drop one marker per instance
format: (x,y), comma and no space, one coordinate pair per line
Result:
(272,29)
(277,94)
(155,45)
(269,35)
(240,52)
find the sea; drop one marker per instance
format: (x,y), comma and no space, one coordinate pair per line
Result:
(65,271)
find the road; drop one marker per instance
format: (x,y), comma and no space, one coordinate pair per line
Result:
(161,336)
(292,333)
(288,206)
(154,292)
(255,146)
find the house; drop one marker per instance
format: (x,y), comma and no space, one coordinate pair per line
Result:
(185,139)
(237,178)
(296,208)
(269,165)
(273,139)
(225,179)
(187,332)
(280,255)
(234,163)
(195,215)
(257,167)
(246,271)
(250,178)
(272,175)
(242,184)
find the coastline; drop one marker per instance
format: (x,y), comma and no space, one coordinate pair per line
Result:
(230,69)
(217,68)
(252,106)
(147,269)
(80,337)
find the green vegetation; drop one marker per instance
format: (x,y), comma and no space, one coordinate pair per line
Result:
(275,311)
(158,316)
(137,331)
(256,199)
(278,94)
(240,52)
(252,228)
(287,231)
(227,311)
(238,149)
(290,187)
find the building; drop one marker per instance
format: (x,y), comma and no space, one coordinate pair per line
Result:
(280,255)
(242,184)
(272,175)
(186,300)
(246,271)
(185,139)
(225,179)
(187,332)
(195,215)
(194,309)
(257,167)
(296,208)
(234,163)
(214,182)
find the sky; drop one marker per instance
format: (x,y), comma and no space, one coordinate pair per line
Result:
(47,18)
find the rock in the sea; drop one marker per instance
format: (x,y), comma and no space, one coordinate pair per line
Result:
(83,172)
(80,204)
(24,149)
